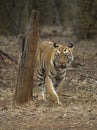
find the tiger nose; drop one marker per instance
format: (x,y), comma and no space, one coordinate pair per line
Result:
(63,65)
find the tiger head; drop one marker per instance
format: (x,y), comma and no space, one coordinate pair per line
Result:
(63,55)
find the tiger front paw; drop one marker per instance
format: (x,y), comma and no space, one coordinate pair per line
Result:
(58,102)
(41,97)
(55,101)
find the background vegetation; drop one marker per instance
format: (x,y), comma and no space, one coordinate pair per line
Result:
(61,21)
(79,15)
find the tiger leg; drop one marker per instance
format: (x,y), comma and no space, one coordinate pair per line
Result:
(41,96)
(60,86)
(40,81)
(51,91)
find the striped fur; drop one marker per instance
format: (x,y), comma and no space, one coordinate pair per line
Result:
(52,60)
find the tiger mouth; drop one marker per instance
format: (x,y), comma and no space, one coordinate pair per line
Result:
(62,66)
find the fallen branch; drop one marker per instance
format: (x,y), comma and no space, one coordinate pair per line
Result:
(9,57)
(88,77)
(81,68)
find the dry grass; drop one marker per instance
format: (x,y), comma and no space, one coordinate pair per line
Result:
(79,95)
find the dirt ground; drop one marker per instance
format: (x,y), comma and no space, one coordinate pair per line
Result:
(79,94)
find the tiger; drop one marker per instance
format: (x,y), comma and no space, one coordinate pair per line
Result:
(52,60)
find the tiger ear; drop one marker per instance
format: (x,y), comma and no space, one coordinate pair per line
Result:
(70,45)
(55,45)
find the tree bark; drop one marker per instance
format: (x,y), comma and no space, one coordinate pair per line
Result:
(24,88)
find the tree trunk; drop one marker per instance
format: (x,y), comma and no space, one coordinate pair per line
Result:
(24,88)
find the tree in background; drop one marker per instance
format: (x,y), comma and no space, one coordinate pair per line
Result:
(78,14)
(86,20)
(13,16)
